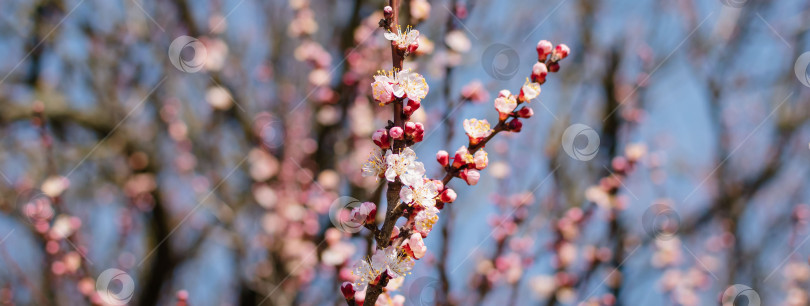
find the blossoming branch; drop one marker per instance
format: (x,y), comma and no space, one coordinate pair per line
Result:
(410,194)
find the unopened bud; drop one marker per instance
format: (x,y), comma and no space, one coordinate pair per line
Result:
(443,158)
(448,196)
(543,49)
(515,125)
(525,112)
(396,133)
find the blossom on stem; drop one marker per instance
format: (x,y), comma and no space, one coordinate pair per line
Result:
(365,213)
(529,91)
(412,85)
(381,139)
(407,41)
(389,85)
(515,125)
(425,219)
(388,260)
(481,160)
(477,130)
(470,176)
(462,157)
(382,89)
(375,164)
(414,246)
(404,166)
(421,193)
(505,106)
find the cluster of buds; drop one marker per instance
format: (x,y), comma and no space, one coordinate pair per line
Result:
(548,57)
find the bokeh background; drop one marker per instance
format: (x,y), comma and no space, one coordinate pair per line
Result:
(210,181)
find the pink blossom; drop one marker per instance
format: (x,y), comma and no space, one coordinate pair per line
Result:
(415,246)
(470,176)
(505,106)
(481,160)
(365,213)
(425,219)
(529,91)
(382,89)
(477,130)
(381,139)
(462,157)
(504,93)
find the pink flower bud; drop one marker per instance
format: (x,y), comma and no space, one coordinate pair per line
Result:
(481,159)
(443,158)
(448,196)
(420,128)
(347,289)
(396,133)
(543,49)
(561,52)
(413,46)
(515,125)
(504,93)
(411,106)
(470,176)
(539,72)
(395,233)
(410,129)
(381,139)
(526,112)
(388,12)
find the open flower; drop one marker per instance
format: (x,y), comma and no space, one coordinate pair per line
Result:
(388,260)
(529,91)
(411,85)
(425,219)
(505,105)
(422,193)
(407,41)
(382,89)
(375,164)
(477,130)
(415,246)
(404,166)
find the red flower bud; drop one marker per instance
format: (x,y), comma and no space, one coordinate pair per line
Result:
(443,158)
(525,112)
(554,67)
(411,106)
(381,139)
(543,49)
(448,196)
(539,73)
(347,289)
(410,129)
(561,52)
(515,125)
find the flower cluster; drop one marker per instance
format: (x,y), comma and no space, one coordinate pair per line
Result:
(411,194)
(391,85)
